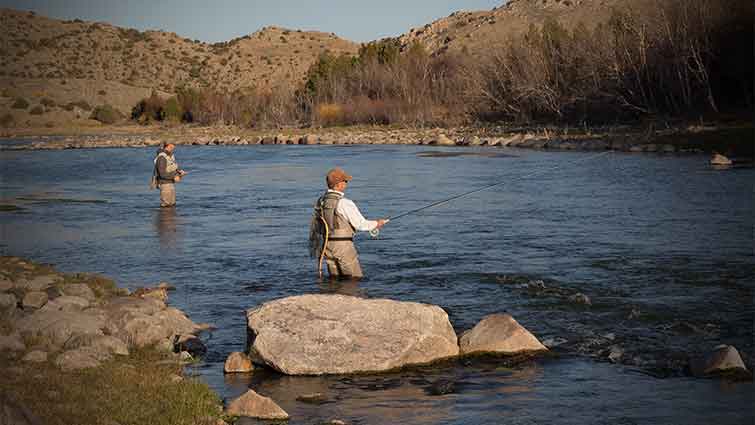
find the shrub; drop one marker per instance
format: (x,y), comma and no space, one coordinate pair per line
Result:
(47,102)
(329,114)
(20,103)
(106,114)
(172,110)
(37,110)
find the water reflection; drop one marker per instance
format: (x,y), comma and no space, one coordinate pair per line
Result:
(166,225)
(343,287)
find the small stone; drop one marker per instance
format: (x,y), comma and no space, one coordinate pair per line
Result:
(12,342)
(40,283)
(35,356)
(8,301)
(79,290)
(615,354)
(238,363)
(254,405)
(175,378)
(580,298)
(5,285)
(313,398)
(185,356)
(34,299)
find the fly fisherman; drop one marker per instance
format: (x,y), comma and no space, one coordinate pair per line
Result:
(334,222)
(167,175)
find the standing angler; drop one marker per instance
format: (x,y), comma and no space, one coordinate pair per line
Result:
(167,174)
(334,222)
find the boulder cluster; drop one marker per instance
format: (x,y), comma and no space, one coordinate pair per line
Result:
(79,321)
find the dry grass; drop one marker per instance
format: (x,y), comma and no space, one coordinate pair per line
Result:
(134,390)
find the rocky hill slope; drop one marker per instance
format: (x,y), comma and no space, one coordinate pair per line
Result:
(52,63)
(474,31)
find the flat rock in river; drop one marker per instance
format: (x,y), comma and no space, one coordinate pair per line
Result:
(499,333)
(337,334)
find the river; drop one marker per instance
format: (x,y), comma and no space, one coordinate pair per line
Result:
(661,245)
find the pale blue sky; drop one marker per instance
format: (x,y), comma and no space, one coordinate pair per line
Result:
(222,20)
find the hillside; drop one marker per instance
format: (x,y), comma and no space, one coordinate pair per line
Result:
(75,61)
(475,31)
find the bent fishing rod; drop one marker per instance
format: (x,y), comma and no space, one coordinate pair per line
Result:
(375,232)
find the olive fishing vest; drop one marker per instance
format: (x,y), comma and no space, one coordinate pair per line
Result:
(170,167)
(339,228)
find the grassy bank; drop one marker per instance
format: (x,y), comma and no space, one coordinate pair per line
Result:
(144,388)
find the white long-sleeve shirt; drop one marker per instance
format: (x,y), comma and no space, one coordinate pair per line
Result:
(349,210)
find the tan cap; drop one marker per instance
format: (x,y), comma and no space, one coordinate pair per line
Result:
(335,176)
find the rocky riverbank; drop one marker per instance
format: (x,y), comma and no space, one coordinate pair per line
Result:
(75,348)
(668,140)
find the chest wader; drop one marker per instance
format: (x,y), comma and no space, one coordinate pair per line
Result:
(327,226)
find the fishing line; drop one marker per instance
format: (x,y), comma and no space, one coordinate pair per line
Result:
(375,232)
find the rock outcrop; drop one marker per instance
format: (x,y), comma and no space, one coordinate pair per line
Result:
(499,333)
(254,405)
(336,334)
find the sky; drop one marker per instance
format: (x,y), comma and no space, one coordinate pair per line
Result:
(222,20)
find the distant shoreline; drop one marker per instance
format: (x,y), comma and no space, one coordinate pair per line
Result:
(735,139)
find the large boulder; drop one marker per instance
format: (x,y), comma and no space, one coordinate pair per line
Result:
(66,303)
(254,405)
(499,333)
(39,283)
(81,358)
(56,327)
(79,290)
(337,334)
(146,321)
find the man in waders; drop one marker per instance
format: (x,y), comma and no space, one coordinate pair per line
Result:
(167,174)
(334,223)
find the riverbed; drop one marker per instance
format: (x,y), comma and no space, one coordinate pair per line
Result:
(661,245)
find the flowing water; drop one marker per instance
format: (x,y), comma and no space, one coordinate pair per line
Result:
(661,245)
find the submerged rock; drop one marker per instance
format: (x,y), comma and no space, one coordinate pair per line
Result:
(499,333)
(720,160)
(254,405)
(724,359)
(336,334)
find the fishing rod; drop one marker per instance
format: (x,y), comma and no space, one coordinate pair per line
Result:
(375,232)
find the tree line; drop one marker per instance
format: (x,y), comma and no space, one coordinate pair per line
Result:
(683,58)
